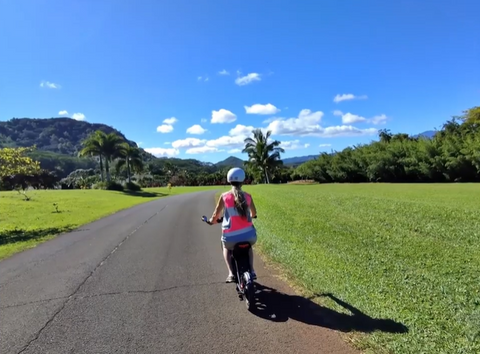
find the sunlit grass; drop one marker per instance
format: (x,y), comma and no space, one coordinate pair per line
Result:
(410,253)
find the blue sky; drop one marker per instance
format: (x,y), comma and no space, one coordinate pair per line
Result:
(403,65)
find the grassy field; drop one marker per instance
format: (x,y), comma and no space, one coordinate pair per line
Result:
(24,224)
(401,255)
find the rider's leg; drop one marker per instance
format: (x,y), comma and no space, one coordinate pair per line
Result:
(227,257)
(252,270)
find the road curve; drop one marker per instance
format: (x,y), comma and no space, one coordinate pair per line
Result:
(149,279)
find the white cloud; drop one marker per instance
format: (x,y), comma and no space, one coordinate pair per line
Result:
(170,121)
(349,118)
(292,145)
(227,142)
(78,116)
(63,113)
(306,145)
(308,124)
(162,152)
(223,116)
(261,109)
(203,120)
(167,143)
(223,72)
(188,143)
(380,119)
(164,128)
(347,97)
(247,79)
(196,129)
(324,145)
(234,151)
(203,78)
(202,150)
(242,130)
(51,85)
(167,126)
(139,143)
(199,78)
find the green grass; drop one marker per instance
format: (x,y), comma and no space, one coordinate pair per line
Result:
(25,224)
(409,253)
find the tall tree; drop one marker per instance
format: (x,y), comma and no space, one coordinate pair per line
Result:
(93,146)
(106,146)
(263,154)
(131,158)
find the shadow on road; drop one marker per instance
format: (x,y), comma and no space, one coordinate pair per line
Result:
(144,194)
(275,306)
(19,235)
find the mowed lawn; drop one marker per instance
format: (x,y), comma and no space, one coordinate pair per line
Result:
(24,224)
(406,253)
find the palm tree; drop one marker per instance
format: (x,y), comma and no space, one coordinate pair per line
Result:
(92,146)
(262,153)
(112,146)
(106,146)
(130,156)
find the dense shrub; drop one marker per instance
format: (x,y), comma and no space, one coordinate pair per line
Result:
(133,187)
(114,186)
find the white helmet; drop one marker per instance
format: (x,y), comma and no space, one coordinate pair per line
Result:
(236,175)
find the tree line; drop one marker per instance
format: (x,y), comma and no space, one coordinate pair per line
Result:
(452,155)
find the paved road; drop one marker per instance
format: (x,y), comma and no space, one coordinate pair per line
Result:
(149,280)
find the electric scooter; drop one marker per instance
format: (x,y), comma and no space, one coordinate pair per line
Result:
(240,261)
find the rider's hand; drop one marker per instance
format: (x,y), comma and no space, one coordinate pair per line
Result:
(212,221)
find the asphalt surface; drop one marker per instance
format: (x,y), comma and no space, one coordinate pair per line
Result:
(150,279)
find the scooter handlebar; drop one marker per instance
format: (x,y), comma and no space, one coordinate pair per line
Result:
(205,219)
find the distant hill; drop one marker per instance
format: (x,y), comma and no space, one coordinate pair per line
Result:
(298,160)
(429,134)
(231,161)
(59,135)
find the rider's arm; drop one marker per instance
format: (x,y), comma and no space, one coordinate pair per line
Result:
(253,210)
(217,211)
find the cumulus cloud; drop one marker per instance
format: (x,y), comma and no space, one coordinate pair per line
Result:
(78,116)
(324,145)
(293,145)
(167,126)
(223,116)
(380,119)
(223,72)
(63,113)
(262,109)
(162,152)
(308,124)
(202,150)
(196,129)
(50,85)
(247,79)
(348,97)
(188,143)
(349,118)
(306,145)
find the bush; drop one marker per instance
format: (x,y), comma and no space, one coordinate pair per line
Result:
(114,186)
(133,187)
(100,185)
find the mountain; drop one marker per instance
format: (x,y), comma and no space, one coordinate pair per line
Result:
(298,160)
(429,134)
(58,135)
(231,161)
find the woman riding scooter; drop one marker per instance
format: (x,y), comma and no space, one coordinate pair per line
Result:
(237,225)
